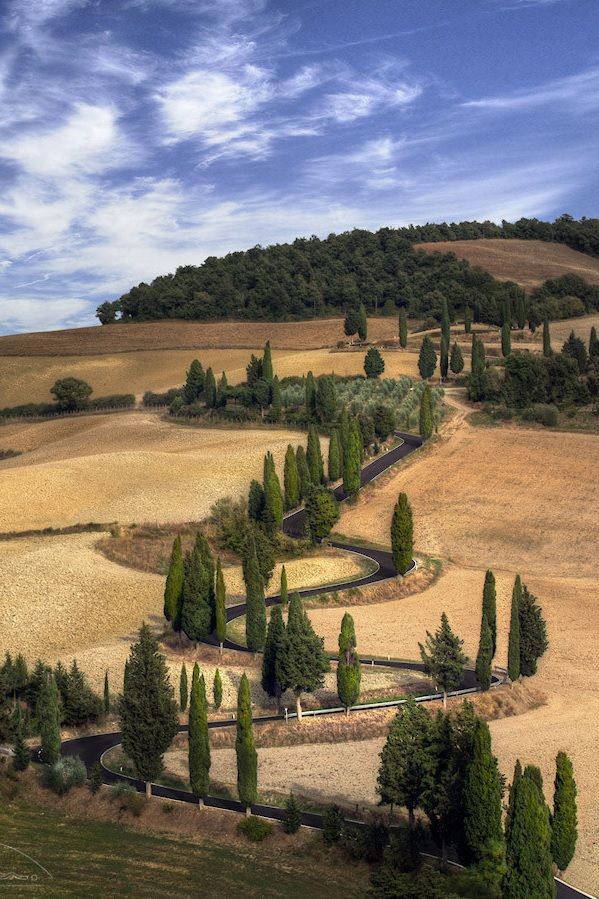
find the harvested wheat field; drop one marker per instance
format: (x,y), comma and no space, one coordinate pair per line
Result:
(527,262)
(182,335)
(129,467)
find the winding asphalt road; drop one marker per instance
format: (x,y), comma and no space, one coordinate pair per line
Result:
(92,749)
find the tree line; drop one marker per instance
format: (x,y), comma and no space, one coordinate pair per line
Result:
(312,277)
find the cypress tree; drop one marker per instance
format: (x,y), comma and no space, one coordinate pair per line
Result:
(343,432)
(513,652)
(528,852)
(547,351)
(267,369)
(314,457)
(148,711)
(362,322)
(427,359)
(256,501)
(245,750)
(273,653)
(484,656)
(445,322)
(490,607)
(405,759)
(402,534)
(334,466)
(533,633)
(443,658)
(22,756)
(326,399)
(310,396)
(106,694)
(210,390)
(352,464)
(482,796)
(222,392)
(276,406)
(593,343)
(303,472)
(48,716)
(303,660)
(199,743)
(255,611)
(467,319)
(506,339)
(196,617)
(374,364)
(403,328)
(444,359)
(521,312)
(292,819)
(349,670)
(291,480)
(220,610)
(426,422)
(194,383)
(564,820)
(441,798)
(273,498)
(217,689)
(173,590)
(357,430)
(511,795)
(183,688)
(456,362)
(351,322)
(284,591)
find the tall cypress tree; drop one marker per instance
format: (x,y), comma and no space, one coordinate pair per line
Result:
(106,694)
(564,831)
(427,359)
(352,464)
(210,390)
(444,359)
(533,633)
(183,688)
(303,472)
(267,369)
(362,322)
(426,422)
(149,715)
(484,656)
(256,501)
(343,432)
(314,457)
(273,654)
(403,328)
(284,594)
(245,750)
(21,754)
(48,716)
(276,404)
(405,759)
(482,796)
(173,590)
(467,319)
(351,323)
(194,383)
(506,339)
(349,670)
(513,652)
(334,466)
(217,689)
(547,351)
(199,743)
(220,610)
(310,394)
(445,322)
(511,796)
(593,343)
(326,399)
(291,479)
(304,662)
(528,846)
(456,362)
(402,534)
(255,610)
(196,617)
(490,607)
(222,392)
(443,658)
(273,498)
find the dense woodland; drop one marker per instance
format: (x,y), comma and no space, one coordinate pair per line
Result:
(312,277)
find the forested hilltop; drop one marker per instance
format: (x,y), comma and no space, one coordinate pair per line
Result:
(383,269)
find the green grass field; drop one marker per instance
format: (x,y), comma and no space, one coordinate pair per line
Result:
(99,859)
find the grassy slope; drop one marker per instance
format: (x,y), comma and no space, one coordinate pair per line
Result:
(94,858)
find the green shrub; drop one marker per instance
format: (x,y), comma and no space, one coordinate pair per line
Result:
(293,815)
(332,824)
(543,414)
(128,799)
(255,829)
(64,774)
(96,779)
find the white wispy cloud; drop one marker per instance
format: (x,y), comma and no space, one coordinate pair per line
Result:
(578,93)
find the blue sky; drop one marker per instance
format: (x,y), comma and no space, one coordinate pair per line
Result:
(139,135)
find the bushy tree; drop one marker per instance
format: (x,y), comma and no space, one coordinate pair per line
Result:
(404,759)
(292,818)
(334,461)
(351,322)
(256,501)
(196,616)
(490,607)
(456,362)
(148,711)
(222,392)
(533,633)
(199,743)
(314,457)
(78,701)
(220,624)
(427,359)
(272,657)
(426,419)
(374,364)
(564,831)
(482,796)
(194,383)
(524,380)
(21,755)
(304,662)
(513,652)
(574,348)
(183,688)
(71,393)
(173,590)
(384,420)
(478,382)
(349,670)
(403,328)
(326,399)
(443,658)
(402,535)
(528,846)
(245,750)
(291,479)
(255,609)
(322,513)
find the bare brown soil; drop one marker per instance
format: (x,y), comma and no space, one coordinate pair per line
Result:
(527,262)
